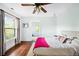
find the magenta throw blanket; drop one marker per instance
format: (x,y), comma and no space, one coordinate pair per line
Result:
(40,42)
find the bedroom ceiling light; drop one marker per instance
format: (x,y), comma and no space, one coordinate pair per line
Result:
(38,7)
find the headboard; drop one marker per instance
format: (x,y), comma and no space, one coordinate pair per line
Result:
(70,34)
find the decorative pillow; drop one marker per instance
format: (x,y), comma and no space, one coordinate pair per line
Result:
(67,40)
(70,40)
(62,39)
(75,42)
(57,37)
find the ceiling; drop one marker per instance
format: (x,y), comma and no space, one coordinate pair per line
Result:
(25,11)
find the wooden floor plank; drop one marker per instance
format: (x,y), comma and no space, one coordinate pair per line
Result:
(19,50)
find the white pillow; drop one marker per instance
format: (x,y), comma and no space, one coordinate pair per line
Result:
(75,42)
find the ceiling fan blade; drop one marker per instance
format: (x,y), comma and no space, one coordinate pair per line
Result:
(43,10)
(27,4)
(35,9)
(42,3)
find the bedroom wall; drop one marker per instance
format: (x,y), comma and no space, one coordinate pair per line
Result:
(68,18)
(26,33)
(47,25)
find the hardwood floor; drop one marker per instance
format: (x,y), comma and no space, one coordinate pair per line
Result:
(19,49)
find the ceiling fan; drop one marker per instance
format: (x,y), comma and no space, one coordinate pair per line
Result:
(38,6)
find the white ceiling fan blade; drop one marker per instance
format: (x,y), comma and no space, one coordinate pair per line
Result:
(35,9)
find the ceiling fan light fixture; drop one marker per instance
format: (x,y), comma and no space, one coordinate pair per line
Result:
(38,7)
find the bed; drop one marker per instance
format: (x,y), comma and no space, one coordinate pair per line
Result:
(52,46)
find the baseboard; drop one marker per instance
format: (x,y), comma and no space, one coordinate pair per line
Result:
(26,41)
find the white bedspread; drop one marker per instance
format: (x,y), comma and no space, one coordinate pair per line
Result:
(53,42)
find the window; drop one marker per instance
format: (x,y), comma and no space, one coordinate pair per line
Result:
(35,28)
(10,28)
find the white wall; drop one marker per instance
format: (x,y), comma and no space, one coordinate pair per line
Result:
(26,33)
(68,18)
(48,26)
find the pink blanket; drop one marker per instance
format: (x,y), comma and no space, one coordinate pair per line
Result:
(40,42)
